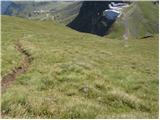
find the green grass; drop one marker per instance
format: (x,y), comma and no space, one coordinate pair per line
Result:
(77,75)
(117,30)
(142,18)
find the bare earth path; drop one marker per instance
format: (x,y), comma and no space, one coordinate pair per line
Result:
(25,63)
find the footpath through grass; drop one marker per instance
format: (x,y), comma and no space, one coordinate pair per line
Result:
(76,75)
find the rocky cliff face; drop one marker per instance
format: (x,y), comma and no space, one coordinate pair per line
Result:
(91,19)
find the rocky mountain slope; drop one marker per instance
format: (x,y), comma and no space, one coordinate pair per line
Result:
(138,20)
(90,17)
(32,9)
(9,8)
(68,13)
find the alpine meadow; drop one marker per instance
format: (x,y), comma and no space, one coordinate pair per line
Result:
(80,59)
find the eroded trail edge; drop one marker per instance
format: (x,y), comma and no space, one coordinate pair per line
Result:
(22,68)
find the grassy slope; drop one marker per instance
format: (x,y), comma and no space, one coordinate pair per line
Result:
(142,19)
(77,75)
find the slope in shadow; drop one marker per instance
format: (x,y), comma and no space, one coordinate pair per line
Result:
(90,18)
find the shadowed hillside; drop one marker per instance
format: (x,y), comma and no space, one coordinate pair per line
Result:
(138,20)
(89,17)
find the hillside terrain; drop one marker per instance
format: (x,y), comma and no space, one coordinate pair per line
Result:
(68,13)
(90,17)
(32,9)
(76,75)
(138,20)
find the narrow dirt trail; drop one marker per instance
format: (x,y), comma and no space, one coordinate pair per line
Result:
(24,65)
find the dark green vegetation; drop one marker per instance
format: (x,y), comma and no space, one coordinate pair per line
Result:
(78,75)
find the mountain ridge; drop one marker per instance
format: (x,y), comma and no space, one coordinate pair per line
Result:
(95,23)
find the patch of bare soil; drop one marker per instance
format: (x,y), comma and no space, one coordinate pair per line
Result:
(24,65)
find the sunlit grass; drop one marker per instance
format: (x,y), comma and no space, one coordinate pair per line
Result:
(77,75)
